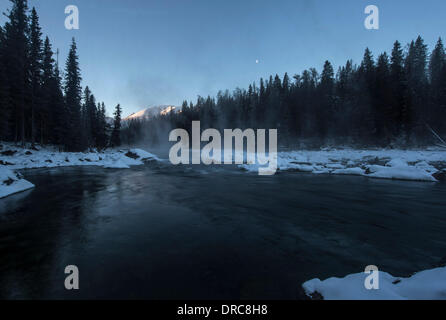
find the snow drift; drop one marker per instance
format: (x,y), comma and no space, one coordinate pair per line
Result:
(12,183)
(425,285)
(384,164)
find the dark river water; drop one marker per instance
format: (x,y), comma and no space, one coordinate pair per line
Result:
(159,232)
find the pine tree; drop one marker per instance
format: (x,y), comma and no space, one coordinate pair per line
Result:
(399,102)
(53,113)
(326,103)
(73,99)
(85,119)
(345,90)
(16,61)
(48,77)
(35,68)
(437,63)
(116,134)
(59,111)
(416,66)
(286,83)
(383,111)
(365,118)
(101,142)
(437,77)
(93,117)
(4,92)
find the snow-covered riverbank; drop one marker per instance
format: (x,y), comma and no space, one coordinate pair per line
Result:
(13,158)
(425,285)
(414,165)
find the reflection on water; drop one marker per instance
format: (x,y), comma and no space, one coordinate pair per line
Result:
(162,232)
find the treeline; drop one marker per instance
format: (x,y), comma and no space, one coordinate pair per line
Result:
(37,103)
(388,101)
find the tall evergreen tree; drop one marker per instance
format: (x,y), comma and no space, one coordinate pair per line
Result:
(73,92)
(48,77)
(326,100)
(93,118)
(383,111)
(101,142)
(35,69)
(400,108)
(437,77)
(5,110)
(365,118)
(16,61)
(59,112)
(85,119)
(416,67)
(116,134)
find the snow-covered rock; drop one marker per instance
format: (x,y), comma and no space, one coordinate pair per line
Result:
(425,285)
(417,165)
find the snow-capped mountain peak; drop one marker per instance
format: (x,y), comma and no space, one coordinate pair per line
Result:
(153,112)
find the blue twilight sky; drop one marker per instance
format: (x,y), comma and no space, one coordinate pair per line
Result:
(148,52)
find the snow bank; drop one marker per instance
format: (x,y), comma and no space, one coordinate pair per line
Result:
(50,158)
(14,158)
(425,285)
(402,172)
(11,183)
(384,164)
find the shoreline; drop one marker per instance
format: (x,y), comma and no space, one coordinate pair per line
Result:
(13,159)
(408,165)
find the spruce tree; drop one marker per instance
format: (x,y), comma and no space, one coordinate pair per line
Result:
(93,117)
(59,112)
(48,78)
(85,119)
(366,118)
(4,92)
(399,103)
(383,110)
(116,134)
(326,100)
(437,77)
(73,92)
(16,50)
(416,66)
(101,142)
(35,69)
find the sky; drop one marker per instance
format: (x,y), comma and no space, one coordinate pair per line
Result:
(141,53)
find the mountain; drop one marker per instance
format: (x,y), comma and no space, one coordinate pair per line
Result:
(153,112)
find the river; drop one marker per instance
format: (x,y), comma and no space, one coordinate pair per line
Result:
(164,232)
